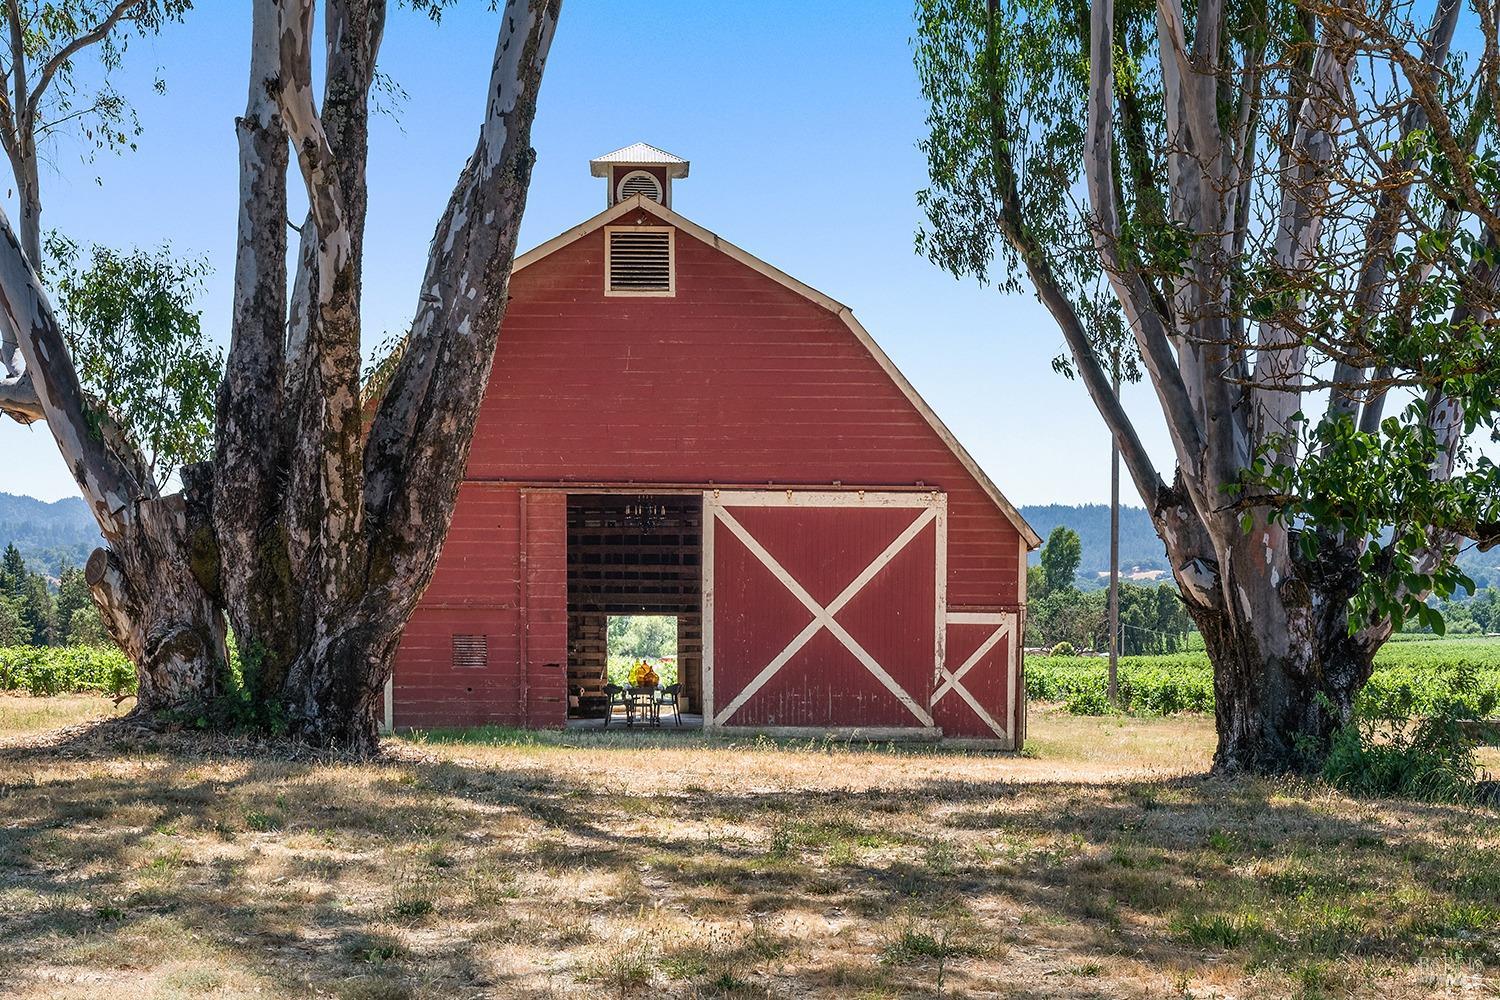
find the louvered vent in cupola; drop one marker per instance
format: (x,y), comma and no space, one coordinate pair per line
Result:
(638,261)
(640,182)
(471,652)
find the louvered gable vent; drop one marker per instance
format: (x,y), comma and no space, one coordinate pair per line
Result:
(471,652)
(640,182)
(639,261)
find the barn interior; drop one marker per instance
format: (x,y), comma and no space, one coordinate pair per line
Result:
(633,554)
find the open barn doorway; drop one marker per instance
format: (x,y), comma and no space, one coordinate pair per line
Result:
(633,555)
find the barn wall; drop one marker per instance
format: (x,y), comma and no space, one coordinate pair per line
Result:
(735,380)
(502,575)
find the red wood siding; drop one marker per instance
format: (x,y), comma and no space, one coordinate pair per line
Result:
(503,574)
(735,380)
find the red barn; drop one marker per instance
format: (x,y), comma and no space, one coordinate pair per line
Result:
(676,427)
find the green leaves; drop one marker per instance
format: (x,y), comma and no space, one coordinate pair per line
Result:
(1005,86)
(92,108)
(139,348)
(1377,489)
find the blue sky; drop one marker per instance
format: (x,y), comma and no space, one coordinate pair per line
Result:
(801,121)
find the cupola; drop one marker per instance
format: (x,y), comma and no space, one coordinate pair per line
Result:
(639,169)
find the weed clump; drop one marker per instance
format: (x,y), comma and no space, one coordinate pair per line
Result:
(1387,754)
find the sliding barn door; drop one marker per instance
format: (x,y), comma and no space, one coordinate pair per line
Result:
(823,609)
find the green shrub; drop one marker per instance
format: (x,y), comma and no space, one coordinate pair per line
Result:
(1089,698)
(1394,756)
(1064,648)
(1157,685)
(54,670)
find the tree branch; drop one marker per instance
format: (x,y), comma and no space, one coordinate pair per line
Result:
(49,69)
(18,399)
(1144,321)
(419,440)
(1385,223)
(111,482)
(1281,357)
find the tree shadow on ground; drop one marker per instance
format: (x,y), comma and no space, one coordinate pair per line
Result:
(366,859)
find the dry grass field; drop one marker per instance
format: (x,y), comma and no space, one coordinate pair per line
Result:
(1100,864)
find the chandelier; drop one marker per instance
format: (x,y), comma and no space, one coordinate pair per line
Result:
(643,516)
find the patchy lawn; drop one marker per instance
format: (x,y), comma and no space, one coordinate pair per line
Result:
(1101,864)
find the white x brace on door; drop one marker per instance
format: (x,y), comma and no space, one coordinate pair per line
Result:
(997,627)
(883,554)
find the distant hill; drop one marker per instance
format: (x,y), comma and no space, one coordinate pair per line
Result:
(1140,548)
(48,534)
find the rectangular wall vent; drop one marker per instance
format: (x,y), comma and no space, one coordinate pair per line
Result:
(471,652)
(638,260)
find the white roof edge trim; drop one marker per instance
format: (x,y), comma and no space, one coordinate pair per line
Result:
(843,312)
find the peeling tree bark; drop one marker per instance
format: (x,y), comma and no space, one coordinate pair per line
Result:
(328,532)
(1276,623)
(419,440)
(254,575)
(315,535)
(142,580)
(19,125)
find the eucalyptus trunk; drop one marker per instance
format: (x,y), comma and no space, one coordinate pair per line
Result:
(169,626)
(330,508)
(143,579)
(1286,676)
(318,523)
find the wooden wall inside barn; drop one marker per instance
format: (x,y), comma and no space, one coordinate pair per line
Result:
(619,568)
(502,575)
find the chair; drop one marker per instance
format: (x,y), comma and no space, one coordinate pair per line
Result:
(669,695)
(615,695)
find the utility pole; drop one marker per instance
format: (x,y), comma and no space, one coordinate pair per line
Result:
(1114,561)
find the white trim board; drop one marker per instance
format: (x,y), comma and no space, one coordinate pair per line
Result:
(822,498)
(1029,537)
(852,734)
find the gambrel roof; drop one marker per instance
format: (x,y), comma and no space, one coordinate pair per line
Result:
(843,312)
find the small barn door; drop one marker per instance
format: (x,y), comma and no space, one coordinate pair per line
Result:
(978,688)
(823,609)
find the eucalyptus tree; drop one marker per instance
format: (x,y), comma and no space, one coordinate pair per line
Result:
(1292,209)
(316,524)
(43,97)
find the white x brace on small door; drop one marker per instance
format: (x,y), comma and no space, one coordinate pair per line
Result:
(930,508)
(951,681)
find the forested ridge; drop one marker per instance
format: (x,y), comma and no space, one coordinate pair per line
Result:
(47,534)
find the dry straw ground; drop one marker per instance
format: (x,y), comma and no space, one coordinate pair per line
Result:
(1101,864)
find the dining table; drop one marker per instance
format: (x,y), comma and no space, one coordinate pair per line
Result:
(643,698)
